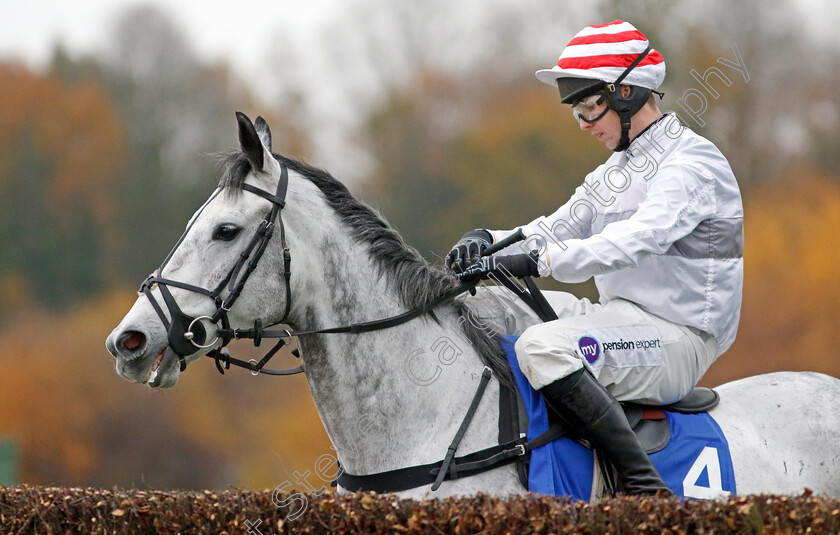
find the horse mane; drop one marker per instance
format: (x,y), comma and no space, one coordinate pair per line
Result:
(416,282)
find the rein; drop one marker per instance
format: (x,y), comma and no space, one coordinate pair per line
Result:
(257,333)
(187,333)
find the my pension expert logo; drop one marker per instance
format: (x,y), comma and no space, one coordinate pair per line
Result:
(590,348)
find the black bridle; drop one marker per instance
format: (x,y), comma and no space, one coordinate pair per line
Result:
(187,333)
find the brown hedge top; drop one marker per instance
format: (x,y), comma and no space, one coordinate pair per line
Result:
(30,509)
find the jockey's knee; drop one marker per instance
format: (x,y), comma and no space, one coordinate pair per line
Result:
(546,355)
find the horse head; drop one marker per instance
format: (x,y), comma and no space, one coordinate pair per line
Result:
(182,304)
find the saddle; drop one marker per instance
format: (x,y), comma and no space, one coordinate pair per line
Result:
(649,422)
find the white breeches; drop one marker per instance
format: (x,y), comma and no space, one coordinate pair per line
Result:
(636,355)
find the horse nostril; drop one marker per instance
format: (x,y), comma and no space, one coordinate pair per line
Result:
(132,340)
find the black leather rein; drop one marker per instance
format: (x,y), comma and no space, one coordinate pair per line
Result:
(257,333)
(187,333)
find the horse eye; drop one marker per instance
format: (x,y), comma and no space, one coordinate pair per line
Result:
(226,232)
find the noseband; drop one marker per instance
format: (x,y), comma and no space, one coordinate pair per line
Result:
(187,333)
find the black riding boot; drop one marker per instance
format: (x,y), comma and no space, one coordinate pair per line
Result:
(585,404)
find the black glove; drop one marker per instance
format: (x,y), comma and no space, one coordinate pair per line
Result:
(468,250)
(518,265)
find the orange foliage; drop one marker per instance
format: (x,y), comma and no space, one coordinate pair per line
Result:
(78,423)
(51,392)
(74,126)
(523,158)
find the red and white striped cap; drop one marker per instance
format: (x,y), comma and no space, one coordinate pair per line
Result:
(603,52)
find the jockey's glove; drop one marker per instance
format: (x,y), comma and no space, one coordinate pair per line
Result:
(518,265)
(468,250)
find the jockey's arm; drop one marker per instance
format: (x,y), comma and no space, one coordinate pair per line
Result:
(677,200)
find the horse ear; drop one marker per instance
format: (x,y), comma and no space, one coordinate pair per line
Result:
(249,141)
(264,132)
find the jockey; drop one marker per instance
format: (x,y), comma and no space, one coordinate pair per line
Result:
(659,226)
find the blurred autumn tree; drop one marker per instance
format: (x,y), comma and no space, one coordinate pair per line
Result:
(176,112)
(521,159)
(450,159)
(409,136)
(61,147)
(102,161)
(79,424)
(75,422)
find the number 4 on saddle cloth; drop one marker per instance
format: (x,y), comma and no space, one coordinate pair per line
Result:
(694,463)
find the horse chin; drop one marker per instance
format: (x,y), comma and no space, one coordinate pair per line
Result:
(159,371)
(164,380)
(164,371)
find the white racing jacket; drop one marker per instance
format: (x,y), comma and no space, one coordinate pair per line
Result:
(660,224)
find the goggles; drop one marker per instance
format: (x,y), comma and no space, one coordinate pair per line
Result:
(590,109)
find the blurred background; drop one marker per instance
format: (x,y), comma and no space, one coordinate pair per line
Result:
(110,112)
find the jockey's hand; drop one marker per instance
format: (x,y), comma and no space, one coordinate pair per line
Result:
(518,265)
(468,250)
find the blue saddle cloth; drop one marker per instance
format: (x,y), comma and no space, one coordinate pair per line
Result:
(695,464)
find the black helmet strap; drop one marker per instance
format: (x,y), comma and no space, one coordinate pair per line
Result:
(627,107)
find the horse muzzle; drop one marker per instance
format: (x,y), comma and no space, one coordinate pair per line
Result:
(140,347)
(156,368)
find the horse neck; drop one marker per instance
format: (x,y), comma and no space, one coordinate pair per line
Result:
(391,397)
